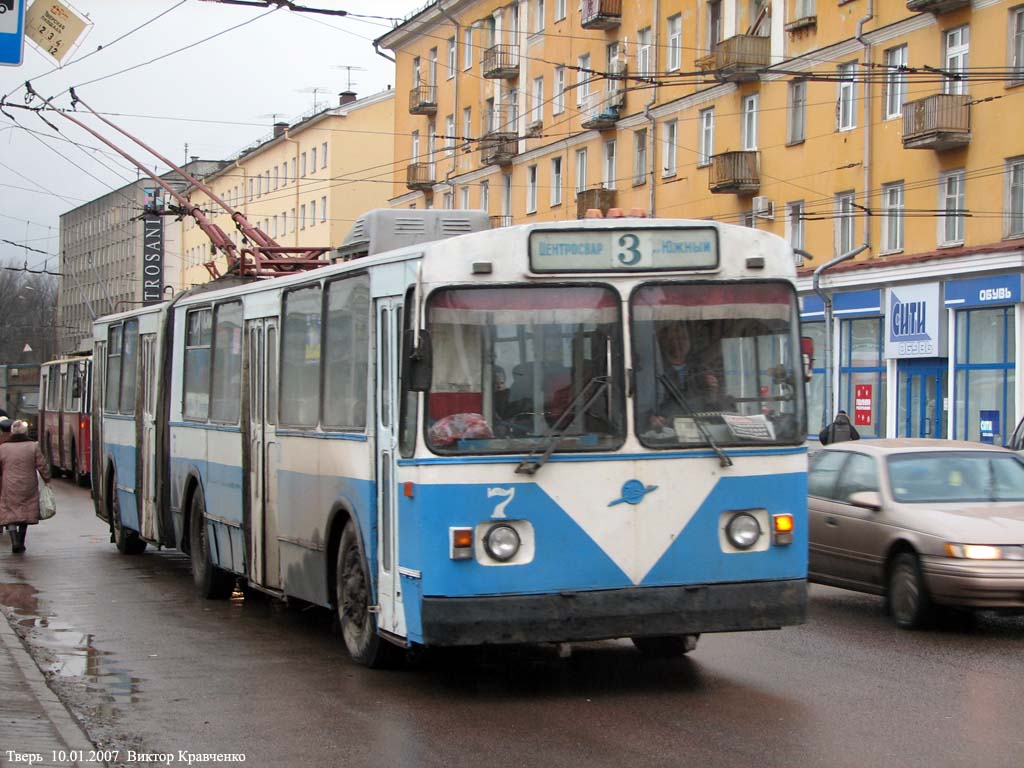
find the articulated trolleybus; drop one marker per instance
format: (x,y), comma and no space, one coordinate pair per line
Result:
(542,433)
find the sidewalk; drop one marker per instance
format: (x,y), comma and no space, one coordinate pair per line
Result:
(33,722)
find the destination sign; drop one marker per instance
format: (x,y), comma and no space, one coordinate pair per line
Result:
(618,250)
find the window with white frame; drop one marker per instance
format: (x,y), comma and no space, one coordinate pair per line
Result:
(259,186)
(431,136)
(538,17)
(892,217)
(795,227)
(277,177)
(432,67)
(1016,56)
(559,10)
(643,52)
(312,213)
(895,81)
(467,46)
(1014,218)
(451,58)
(467,124)
(558,102)
(449,135)
(556,181)
(844,220)
(323,155)
(284,173)
(447,201)
(750,122)
(323,208)
(714,28)
(803,9)
(675,42)
(668,148)
(582,78)
(613,56)
(956,44)
(952,203)
(284,222)
(464,198)
(846,114)
(531,189)
(537,105)
(706,140)
(608,174)
(796,122)
(302,164)
(417,71)
(639,157)
(581,170)
(302,216)
(312,160)
(485,196)
(415,146)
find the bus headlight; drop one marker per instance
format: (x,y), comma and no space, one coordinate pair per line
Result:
(743,530)
(501,542)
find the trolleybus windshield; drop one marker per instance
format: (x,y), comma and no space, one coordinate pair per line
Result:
(716,363)
(509,362)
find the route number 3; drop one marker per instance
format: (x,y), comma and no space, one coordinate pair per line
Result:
(629,256)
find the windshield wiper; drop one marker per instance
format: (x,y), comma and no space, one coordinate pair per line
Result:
(677,395)
(546,445)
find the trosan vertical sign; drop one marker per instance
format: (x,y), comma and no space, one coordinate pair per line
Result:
(152,249)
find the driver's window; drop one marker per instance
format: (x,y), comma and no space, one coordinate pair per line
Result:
(821,480)
(859,474)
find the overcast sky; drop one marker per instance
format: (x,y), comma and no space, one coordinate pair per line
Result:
(217,97)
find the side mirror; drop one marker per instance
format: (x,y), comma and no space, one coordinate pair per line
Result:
(807,349)
(866,499)
(417,363)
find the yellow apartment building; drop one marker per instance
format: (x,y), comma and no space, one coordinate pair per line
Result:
(304,184)
(879,132)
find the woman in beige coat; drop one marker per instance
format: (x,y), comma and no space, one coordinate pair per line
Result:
(20,459)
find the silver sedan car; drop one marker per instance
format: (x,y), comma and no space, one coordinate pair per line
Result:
(923,522)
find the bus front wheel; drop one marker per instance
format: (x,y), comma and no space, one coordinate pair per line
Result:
(667,647)
(126,540)
(211,582)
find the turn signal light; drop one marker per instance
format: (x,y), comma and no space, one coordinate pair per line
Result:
(782,529)
(460,543)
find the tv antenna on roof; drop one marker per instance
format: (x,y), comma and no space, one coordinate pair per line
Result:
(314,89)
(349,69)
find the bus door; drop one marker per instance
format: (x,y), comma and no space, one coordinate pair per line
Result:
(263,453)
(147,456)
(389,588)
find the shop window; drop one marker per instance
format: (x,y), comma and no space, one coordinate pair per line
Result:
(985,371)
(863,364)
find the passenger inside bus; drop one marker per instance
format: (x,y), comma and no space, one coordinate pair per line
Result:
(695,372)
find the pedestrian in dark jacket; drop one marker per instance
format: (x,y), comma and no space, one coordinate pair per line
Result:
(839,430)
(20,459)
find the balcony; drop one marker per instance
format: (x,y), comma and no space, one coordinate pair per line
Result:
(601,109)
(501,62)
(735,172)
(599,197)
(423,100)
(936,6)
(498,152)
(940,121)
(500,221)
(738,58)
(601,14)
(420,176)
(500,124)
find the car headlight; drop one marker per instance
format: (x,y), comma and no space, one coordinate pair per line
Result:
(984,552)
(743,530)
(502,542)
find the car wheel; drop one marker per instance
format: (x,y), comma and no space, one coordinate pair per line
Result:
(667,647)
(211,582)
(126,540)
(907,597)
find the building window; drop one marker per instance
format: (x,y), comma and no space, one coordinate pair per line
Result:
(559,10)
(558,105)
(302,164)
(952,200)
(582,78)
(844,214)
(643,52)
(795,227)
(608,176)
(252,184)
(312,160)
(956,44)
(531,189)
(259,186)
(556,181)
(276,177)
(892,217)
(985,370)
(467,47)
(464,198)
(1016,29)
(284,222)
(323,155)
(613,60)
(451,58)
(432,67)
(803,9)
(415,146)
(467,125)
(537,105)
(675,42)
(668,148)
(448,201)
(312,213)
(295,177)
(861,349)
(750,122)
(895,81)
(302,216)
(714,29)
(796,130)
(706,140)
(581,170)
(639,157)
(538,18)
(485,196)
(1014,224)
(449,135)
(323,208)
(284,174)
(845,113)
(291,220)
(417,71)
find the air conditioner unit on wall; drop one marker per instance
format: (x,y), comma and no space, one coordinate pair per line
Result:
(763,208)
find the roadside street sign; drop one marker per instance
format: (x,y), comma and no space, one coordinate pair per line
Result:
(12,32)
(54,27)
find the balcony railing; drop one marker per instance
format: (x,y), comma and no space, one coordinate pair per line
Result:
(601,109)
(500,221)
(737,58)
(940,121)
(936,6)
(501,152)
(419,176)
(423,100)
(601,14)
(736,172)
(501,62)
(499,123)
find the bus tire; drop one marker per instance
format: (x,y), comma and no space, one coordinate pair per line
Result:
(81,478)
(211,582)
(126,540)
(358,624)
(666,647)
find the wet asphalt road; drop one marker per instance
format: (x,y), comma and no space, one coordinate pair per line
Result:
(146,665)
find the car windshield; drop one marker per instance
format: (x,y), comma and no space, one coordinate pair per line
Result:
(509,363)
(951,476)
(717,363)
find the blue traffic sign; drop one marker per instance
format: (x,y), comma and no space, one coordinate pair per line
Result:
(12,32)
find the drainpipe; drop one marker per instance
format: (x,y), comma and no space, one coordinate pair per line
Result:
(295,220)
(379,52)
(456,115)
(826,299)
(867,116)
(652,143)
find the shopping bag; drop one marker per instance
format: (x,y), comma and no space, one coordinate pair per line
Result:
(47,501)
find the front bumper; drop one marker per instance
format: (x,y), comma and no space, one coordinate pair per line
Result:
(604,614)
(995,584)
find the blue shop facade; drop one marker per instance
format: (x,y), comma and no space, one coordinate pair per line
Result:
(929,349)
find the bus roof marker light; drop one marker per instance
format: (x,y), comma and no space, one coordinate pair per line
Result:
(482,268)
(637,213)
(616,213)
(593,213)
(755,262)
(782,529)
